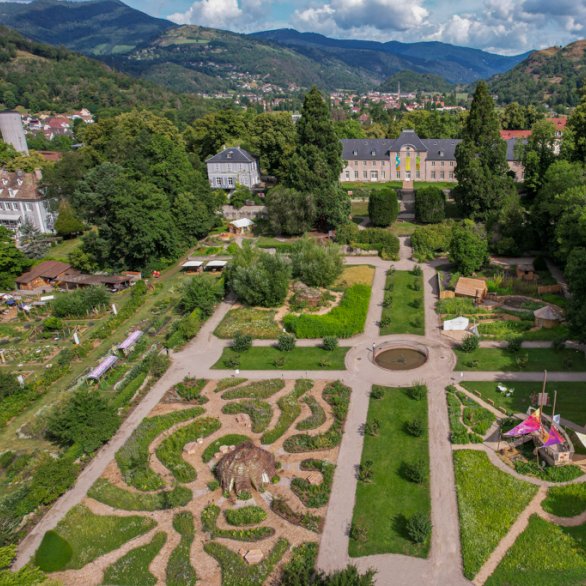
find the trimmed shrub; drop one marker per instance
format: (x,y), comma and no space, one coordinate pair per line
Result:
(241,342)
(415,427)
(286,342)
(330,343)
(430,205)
(417,392)
(383,207)
(415,471)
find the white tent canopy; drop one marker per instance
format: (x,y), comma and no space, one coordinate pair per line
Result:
(242,223)
(458,324)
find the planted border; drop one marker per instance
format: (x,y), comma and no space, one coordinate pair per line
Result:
(344,321)
(290,410)
(260,412)
(105,492)
(179,570)
(232,439)
(133,457)
(337,395)
(308,521)
(317,417)
(133,567)
(314,496)
(209,521)
(236,572)
(170,450)
(256,390)
(244,516)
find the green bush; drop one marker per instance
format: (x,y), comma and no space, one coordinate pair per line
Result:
(52,324)
(415,471)
(383,207)
(190,389)
(286,342)
(251,515)
(314,264)
(202,293)
(80,303)
(184,330)
(419,528)
(241,342)
(385,242)
(427,241)
(415,427)
(430,205)
(344,321)
(213,485)
(470,344)
(330,343)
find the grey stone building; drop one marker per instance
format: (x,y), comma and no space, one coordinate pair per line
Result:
(231,167)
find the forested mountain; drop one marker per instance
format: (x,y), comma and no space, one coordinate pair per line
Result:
(198,59)
(413,82)
(94,27)
(456,64)
(42,77)
(552,76)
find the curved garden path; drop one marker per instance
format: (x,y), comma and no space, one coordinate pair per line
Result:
(444,564)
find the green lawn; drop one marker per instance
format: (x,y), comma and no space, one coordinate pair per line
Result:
(544,554)
(269,358)
(539,359)
(81,537)
(405,314)
(489,502)
(403,228)
(281,246)
(351,185)
(384,505)
(258,323)
(566,501)
(359,209)
(62,250)
(571,399)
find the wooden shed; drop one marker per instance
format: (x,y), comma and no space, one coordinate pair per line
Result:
(474,288)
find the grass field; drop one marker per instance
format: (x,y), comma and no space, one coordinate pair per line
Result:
(81,537)
(351,185)
(359,209)
(406,312)
(544,554)
(566,501)
(258,323)
(354,275)
(539,359)
(489,502)
(384,505)
(571,403)
(403,228)
(268,358)
(62,250)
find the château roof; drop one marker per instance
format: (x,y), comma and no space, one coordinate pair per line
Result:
(232,155)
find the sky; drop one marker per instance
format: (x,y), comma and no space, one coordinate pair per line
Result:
(501,26)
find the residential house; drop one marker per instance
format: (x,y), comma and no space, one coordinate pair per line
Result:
(21,201)
(231,167)
(407,158)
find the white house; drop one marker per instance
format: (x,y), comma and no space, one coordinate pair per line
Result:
(22,202)
(231,167)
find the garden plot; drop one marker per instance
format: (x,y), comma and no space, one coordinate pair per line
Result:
(161,499)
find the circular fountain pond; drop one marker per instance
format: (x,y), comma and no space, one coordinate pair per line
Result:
(395,358)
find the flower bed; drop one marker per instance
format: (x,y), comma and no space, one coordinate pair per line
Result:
(259,412)
(179,571)
(314,495)
(209,518)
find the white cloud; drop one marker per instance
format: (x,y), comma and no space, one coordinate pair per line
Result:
(355,16)
(229,14)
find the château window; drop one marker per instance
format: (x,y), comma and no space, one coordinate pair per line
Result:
(442,164)
(230,181)
(374,163)
(417,174)
(451,175)
(218,181)
(347,174)
(451,163)
(442,174)
(433,174)
(356,163)
(433,163)
(355,174)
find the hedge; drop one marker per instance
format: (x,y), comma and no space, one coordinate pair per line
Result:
(344,321)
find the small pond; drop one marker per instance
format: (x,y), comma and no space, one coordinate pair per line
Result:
(400,359)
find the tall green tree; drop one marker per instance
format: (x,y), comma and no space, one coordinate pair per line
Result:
(316,164)
(468,247)
(272,136)
(538,154)
(383,207)
(576,277)
(290,212)
(67,223)
(577,127)
(482,169)
(12,261)
(314,264)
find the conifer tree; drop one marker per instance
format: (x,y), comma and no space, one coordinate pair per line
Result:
(482,170)
(67,223)
(316,164)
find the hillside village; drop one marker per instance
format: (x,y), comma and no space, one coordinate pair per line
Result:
(333,336)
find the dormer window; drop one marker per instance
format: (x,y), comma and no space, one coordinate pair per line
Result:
(229,155)
(355,153)
(441,153)
(373,153)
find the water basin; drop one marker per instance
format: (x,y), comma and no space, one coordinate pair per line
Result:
(400,358)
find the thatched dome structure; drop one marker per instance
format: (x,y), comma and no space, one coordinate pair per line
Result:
(246,467)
